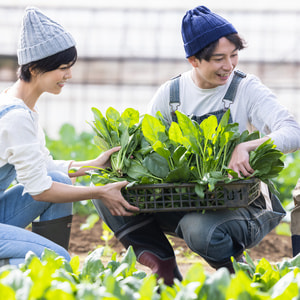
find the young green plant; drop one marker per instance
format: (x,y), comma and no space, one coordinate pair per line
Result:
(117,130)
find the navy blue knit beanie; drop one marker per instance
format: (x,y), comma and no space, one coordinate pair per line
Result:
(200,27)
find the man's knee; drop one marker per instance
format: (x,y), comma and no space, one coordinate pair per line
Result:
(194,231)
(214,243)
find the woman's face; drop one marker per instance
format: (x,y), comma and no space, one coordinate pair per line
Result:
(216,71)
(53,81)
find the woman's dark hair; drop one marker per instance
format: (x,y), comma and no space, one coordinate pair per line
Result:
(48,64)
(207,52)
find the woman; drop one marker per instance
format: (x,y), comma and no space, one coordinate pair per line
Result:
(46,55)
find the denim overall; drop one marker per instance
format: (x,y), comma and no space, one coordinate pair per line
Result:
(214,235)
(17,211)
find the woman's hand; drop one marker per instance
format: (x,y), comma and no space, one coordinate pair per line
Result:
(110,195)
(103,160)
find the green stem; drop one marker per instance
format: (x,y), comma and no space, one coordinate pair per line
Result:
(204,158)
(220,162)
(170,163)
(198,166)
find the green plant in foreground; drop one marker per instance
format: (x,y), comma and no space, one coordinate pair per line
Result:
(52,277)
(107,235)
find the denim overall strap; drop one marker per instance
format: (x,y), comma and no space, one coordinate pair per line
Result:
(5,109)
(174,96)
(7,172)
(231,92)
(228,99)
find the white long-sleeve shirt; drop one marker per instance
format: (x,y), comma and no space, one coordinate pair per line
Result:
(22,144)
(255,107)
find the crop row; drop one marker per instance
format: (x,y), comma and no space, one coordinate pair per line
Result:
(52,277)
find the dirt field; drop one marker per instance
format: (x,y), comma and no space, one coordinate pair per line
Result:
(273,247)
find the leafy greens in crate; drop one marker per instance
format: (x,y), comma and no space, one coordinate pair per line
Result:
(154,152)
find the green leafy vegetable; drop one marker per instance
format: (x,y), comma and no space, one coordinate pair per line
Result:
(117,130)
(52,277)
(152,151)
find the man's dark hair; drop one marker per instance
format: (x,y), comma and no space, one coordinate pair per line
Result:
(207,52)
(48,64)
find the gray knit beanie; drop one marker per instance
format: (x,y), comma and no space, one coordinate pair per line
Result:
(41,37)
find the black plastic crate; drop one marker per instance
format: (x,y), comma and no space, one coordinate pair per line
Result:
(182,197)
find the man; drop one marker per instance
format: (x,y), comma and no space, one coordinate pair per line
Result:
(212,86)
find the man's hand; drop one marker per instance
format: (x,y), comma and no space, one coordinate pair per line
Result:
(239,161)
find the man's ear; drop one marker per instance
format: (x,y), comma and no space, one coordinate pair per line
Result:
(193,61)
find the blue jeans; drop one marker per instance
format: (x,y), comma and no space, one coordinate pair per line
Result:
(214,235)
(17,211)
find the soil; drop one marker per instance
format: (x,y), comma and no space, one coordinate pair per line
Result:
(273,247)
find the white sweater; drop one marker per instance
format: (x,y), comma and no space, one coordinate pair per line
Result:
(255,108)
(22,144)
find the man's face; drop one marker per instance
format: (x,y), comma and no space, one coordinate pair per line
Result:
(216,71)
